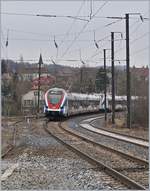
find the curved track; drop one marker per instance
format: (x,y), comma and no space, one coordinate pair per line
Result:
(116,164)
(92,121)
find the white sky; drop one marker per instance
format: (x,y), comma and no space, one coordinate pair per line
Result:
(30,35)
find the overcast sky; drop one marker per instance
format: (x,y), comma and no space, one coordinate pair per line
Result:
(29,34)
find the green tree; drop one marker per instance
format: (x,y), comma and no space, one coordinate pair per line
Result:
(100,80)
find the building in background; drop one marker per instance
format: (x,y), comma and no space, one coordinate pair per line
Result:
(46,82)
(29,102)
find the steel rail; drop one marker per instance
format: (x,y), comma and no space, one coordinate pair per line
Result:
(113,173)
(130,136)
(111,131)
(127,156)
(117,138)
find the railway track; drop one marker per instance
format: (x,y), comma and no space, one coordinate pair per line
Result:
(129,170)
(87,124)
(92,121)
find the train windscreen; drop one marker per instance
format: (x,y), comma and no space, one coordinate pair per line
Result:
(55,96)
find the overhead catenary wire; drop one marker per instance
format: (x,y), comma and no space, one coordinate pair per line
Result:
(83,29)
(46,40)
(79,40)
(133,41)
(140,50)
(69,29)
(3,41)
(61,34)
(108,25)
(140,37)
(137,27)
(133,34)
(64,16)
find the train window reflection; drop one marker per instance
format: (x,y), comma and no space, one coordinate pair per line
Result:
(54,97)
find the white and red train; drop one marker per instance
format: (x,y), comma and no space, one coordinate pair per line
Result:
(58,102)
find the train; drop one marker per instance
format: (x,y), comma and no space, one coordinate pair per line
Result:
(120,103)
(59,102)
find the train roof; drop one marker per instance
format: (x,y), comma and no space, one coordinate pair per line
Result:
(95,96)
(75,96)
(122,98)
(55,90)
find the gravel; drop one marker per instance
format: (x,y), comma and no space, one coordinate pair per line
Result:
(43,172)
(108,141)
(46,164)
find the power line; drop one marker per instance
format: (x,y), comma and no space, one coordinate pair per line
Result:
(72,23)
(63,34)
(66,16)
(140,50)
(138,26)
(99,9)
(83,29)
(47,40)
(96,52)
(18,14)
(3,46)
(132,42)
(2,35)
(143,35)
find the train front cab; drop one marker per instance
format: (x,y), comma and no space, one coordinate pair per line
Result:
(55,104)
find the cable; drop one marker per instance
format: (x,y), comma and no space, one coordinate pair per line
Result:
(18,14)
(96,52)
(145,34)
(72,23)
(46,40)
(140,50)
(132,42)
(138,26)
(3,46)
(2,35)
(61,34)
(99,9)
(82,30)
(65,16)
